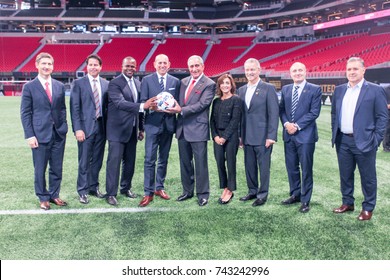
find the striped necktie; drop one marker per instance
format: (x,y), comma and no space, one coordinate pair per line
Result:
(96,97)
(294,102)
(162,84)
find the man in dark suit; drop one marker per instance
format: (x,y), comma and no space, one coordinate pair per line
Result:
(300,106)
(43,116)
(124,126)
(196,94)
(386,139)
(259,128)
(87,109)
(159,129)
(359,117)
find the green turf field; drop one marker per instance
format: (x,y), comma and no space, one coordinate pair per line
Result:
(170,230)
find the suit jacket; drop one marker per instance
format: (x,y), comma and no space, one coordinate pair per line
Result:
(150,87)
(193,121)
(122,111)
(82,105)
(260,121)
(39,115)
(370,118)
(307,111)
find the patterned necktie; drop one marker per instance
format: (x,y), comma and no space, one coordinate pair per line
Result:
(189,91)
(47,89)
(294,102)
(162,84)
(96,97)
(133,90)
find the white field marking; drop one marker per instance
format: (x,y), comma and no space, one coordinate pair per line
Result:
(83,211)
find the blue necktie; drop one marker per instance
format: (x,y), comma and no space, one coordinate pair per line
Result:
(294,102)
(162,84)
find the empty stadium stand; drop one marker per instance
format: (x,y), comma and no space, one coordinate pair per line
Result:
(15,50)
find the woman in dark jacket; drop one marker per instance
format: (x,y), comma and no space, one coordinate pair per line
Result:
(224,123)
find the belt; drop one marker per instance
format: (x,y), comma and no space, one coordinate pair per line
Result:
(348,134)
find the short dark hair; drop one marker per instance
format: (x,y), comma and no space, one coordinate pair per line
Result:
(95,56)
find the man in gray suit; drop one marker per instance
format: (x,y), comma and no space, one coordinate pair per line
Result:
(88,103)
(259,130)
(196,94)
(159,129)
(43,116)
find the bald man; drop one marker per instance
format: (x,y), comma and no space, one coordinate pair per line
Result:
(159,130)
(300,106)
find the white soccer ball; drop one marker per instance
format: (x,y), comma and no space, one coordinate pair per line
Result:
(165,100)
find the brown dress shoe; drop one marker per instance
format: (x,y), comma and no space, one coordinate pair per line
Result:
(45,205)
(58,201)
(145,201)
(365,215)
(162,194)
(344,208)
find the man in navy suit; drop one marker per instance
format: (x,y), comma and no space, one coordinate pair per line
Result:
(43,116)
(159,129)
(359,117)
(87,109)
(300,106)
(196,94)
(124,127)
(259,129)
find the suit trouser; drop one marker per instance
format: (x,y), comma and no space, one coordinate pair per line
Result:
(257,157)
(51,153)
(386,139)
(300,154)
(121,154)
(91,153)
(161,144)
(348,156)
(226,156)
(189,151)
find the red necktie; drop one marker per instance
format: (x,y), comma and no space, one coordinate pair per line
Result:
(189,90)
(47,89)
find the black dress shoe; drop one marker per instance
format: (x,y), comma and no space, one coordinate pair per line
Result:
(248,197)
(227,201)
(97,193)
(84,199)
(183,197)
(112,200)
(129,194)
(304,208)
(258,202)
(202,201)
(291,200)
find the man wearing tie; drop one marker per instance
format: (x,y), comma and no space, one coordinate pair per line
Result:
(259,129)
(300,106)
(87,110)
(124,127)
(159,129)
(196,94)
(359,117)
(43,116)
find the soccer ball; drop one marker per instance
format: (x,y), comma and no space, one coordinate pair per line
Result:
(165,100)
